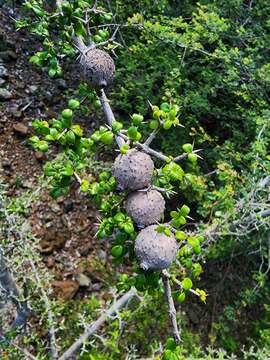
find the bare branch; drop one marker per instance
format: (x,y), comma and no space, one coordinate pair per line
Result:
(151,137)
(92,328)
(109,115)
(172,311)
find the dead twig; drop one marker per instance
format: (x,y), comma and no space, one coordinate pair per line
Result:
(172,311)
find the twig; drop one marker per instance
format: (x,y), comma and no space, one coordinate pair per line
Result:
(178,283)
(53,345)
(109,115)
(25,352)
(92,328)
(183,156)
(78,178)
(9,286)
(172,311)
(151,137)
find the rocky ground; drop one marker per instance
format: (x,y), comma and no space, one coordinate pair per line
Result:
(66,227)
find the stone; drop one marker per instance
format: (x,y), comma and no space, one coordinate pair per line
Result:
(6,164)
(96,287)
(5,94)
(83,280)
(33,89)
(102,255)
(65,289)
(20,129)
(3,71)
(68,205)
(15,112)
(8,55)
(50,262)
(2,81)
(39,155)
(61,83)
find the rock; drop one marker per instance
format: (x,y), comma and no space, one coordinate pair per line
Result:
(20,129)
(3,71)
(5,94)
(54,235)
(84,250)
(62,84)
(2,81)
(27,184)
(55,208)
(15,112)
(33,89)
(68,205)
(102,255)
(96,287)
(50,262)
(65,289)
(83,280)
(6,164)
(8,55)
(39,155)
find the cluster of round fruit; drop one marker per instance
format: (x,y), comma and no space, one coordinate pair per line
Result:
(133,172)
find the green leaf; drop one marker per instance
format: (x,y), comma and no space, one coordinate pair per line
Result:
(165,107)
(180,235)
(193,241)
(185,210)
(67,114)
(167,124)
(124,148)
(84,185)
(116,127)
(73,104)
(117,251)
(68,170)
(119,217)
(77,130)
(52,72)
(132,132)
(129,228)
(70,137)
(170,344)
(181,297)
(154,124)
(187,284)
(192,158)
(43,146)
(137,119)
(188,148)
(107,138)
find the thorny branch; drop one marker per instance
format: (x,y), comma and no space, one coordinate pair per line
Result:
(92,328)
(109,115)
(172,311)
(53,345)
